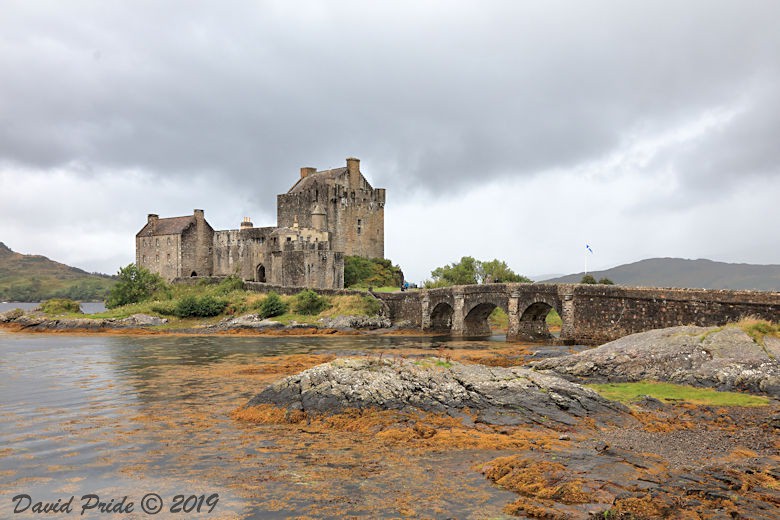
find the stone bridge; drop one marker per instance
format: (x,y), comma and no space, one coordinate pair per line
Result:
(591,314)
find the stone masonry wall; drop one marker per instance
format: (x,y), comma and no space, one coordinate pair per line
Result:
(160,254)
(603,313)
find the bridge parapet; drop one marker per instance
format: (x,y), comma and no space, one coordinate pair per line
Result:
(590,314)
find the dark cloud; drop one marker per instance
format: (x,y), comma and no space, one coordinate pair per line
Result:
(446,93)
(436,97)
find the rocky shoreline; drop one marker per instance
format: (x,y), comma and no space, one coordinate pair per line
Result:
(34,321)
(725,358)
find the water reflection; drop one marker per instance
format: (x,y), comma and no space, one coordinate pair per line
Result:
(123,414)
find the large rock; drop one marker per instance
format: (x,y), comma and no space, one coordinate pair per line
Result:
(723,358)
(142,320)
(356,322)
(505,396)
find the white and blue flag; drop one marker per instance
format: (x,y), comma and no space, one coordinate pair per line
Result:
(588,248)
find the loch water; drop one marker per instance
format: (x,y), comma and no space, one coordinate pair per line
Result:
(126,416)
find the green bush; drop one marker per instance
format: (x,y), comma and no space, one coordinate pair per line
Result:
(588,279)
(309,302)
(230,284)
(166,308)
(135,284)
(606,281)
(272,306)
(372,306)
(203,307)
(61,306)
(377,272)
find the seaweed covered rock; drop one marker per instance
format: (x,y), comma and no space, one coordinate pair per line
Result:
(494,395)
(723,358)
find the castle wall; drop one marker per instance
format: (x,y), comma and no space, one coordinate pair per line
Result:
(241,252)
(159,254)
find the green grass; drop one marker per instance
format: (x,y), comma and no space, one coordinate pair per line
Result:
(239,302)
(668,392)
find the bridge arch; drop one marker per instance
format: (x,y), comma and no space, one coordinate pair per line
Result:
(477,310)
(441,317)
(532,318)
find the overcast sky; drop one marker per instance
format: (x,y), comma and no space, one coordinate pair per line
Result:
(512,130)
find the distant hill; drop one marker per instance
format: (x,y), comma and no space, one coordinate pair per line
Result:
(31,278)
(679,272)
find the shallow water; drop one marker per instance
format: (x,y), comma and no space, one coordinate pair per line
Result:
(86,307)
(130,415)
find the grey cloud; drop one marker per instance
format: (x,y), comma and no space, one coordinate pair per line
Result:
(437,96)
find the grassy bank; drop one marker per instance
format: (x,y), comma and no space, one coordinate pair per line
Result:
(671,393)
(185,305)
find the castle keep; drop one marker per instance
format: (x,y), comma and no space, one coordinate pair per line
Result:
(323,217)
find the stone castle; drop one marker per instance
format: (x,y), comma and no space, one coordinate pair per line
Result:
(325,216)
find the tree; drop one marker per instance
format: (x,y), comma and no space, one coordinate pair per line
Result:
(135,284)
(496,271)
(588,279)
(377,272)
(606,281)
(460,273)
(471,271)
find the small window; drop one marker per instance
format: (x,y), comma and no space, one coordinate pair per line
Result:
(156,258)
(169,243)
(143,259)
(359,230)
(157,242)
(289,239)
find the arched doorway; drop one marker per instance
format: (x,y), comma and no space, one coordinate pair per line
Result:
(441,317)
(260,273)
(194,273)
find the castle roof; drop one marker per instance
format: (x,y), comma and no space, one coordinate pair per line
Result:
(322,177)
(167,226)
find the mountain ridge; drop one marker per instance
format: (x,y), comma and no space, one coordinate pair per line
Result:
(681,272)
(28,278)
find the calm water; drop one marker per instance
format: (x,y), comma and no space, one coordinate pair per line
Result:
(118,416)
(86,307)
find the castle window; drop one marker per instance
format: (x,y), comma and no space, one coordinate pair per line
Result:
(289,239)
(169,243)
(169,258)
(157,242)
(157,258)
(143,259)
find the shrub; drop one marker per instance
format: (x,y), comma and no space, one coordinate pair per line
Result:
(606,281)
(272,306)
(203,307)
(588,279)
(135,284)
(371,305)
(230,284)
(309,302)
(61,306)
(379,272)
(166,308)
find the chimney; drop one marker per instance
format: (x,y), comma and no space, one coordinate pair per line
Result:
(306,171)
(247,223)
(353,167)
(198,214)
(152,218)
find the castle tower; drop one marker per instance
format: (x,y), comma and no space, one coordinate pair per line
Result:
(353,210)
